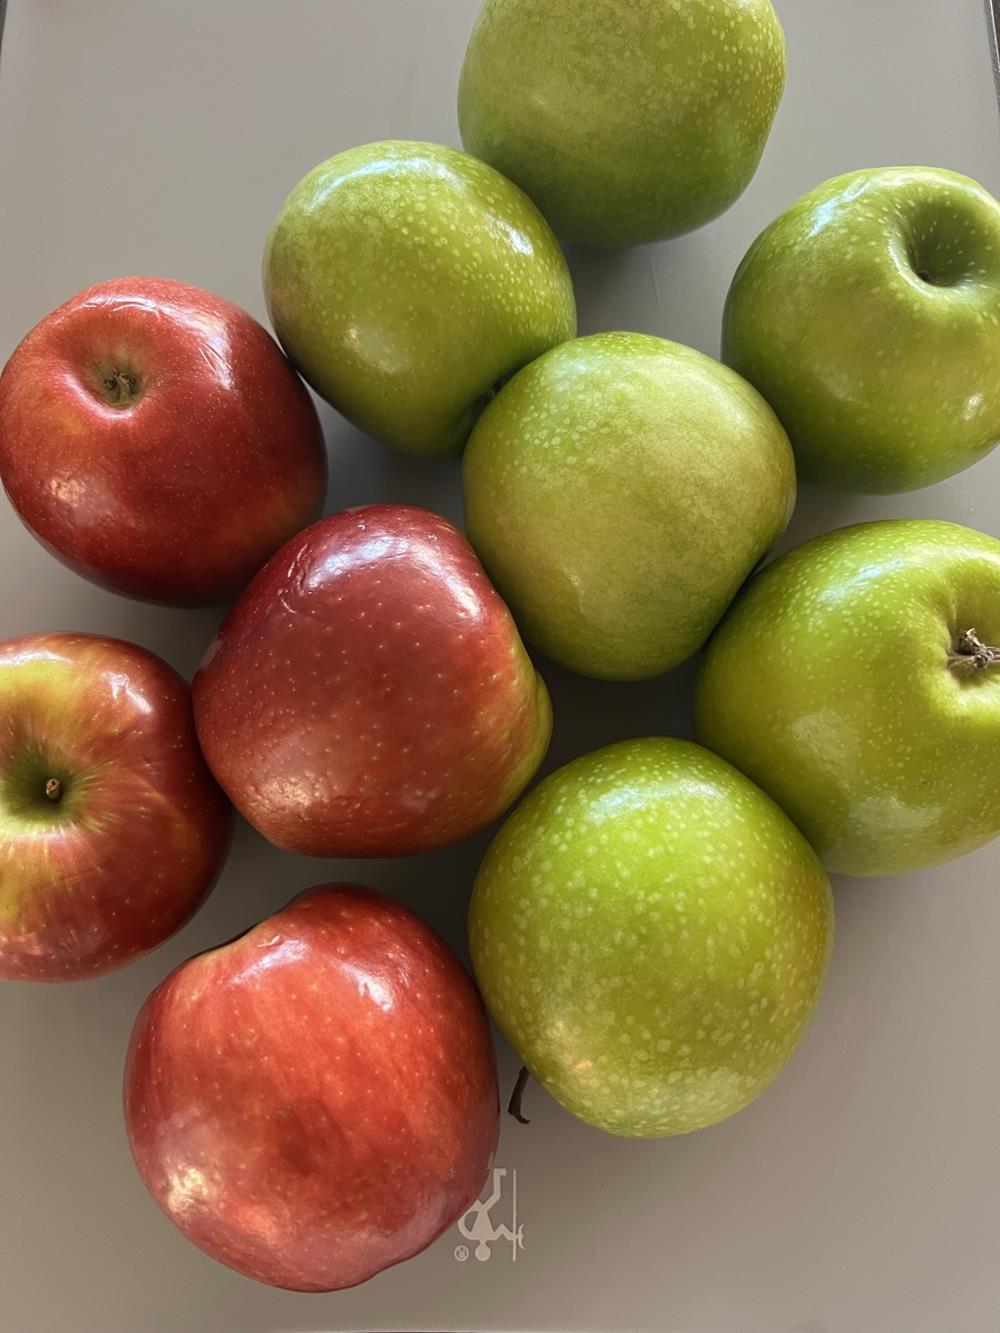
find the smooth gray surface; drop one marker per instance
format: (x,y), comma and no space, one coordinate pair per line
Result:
(859,1194)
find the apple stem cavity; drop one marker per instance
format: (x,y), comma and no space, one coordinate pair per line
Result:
(973,654)
(514,1105)
(53,789)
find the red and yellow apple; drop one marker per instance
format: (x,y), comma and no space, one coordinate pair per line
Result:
(369,694)
(154,438)
(316,1100)
(111,828)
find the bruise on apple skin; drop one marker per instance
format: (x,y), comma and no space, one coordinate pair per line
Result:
(316,1100)
(369,693)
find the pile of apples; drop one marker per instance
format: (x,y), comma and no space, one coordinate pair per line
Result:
(650,928)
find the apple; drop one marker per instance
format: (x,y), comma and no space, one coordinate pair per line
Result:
(868,316)
(368,695)
(111,828)
(856,681)
(650,933)
(317,1099)
(405,280)
(154,439)
(618,491)
(625,123)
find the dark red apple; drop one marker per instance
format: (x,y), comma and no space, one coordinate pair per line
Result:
(369,695)
(155,439)
(316,1100)
(111,828)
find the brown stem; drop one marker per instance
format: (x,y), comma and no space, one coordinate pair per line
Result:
(973,654)
(514,1105)
(53,789)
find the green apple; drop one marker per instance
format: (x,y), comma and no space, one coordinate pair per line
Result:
(405,280)
(868,316)
(619,490)
(855,680)
(651,933)
(625,122)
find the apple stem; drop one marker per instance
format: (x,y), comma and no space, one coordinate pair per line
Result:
(53,789)
(973,654)
(514,1105)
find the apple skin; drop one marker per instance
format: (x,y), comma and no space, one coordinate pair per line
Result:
(650,933)
(619,491)
(626,123)
(405,280)
(179,492)
(368,695)
(137,836)
(885,380)
(838,683)
(317,1099)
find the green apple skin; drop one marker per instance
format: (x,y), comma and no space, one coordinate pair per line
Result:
(626,123)
(651,933)
(404,280)
(839,683)
(619,491)
(868,316)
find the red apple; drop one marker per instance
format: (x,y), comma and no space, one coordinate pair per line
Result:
(316,1100)
(156,440)
(369,695)
(111,828)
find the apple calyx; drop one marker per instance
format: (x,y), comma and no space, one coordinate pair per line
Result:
(121,388)
(973,654)
(514,1105)
(53,789)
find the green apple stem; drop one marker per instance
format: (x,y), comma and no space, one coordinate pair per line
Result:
(514,1105)
(973,654)
(53,789)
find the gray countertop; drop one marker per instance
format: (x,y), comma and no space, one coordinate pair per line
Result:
(859,1194)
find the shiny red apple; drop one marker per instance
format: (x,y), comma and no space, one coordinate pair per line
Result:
(316,1100)
(369,695)
(155,439)
(111,828)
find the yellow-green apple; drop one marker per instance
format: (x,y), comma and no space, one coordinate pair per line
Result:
(868,316)
(317,1099)
(650,933)
(405,280)
(857,681)
(154,439)
(111,828)
(618,491)
(625,123)
(368,695)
